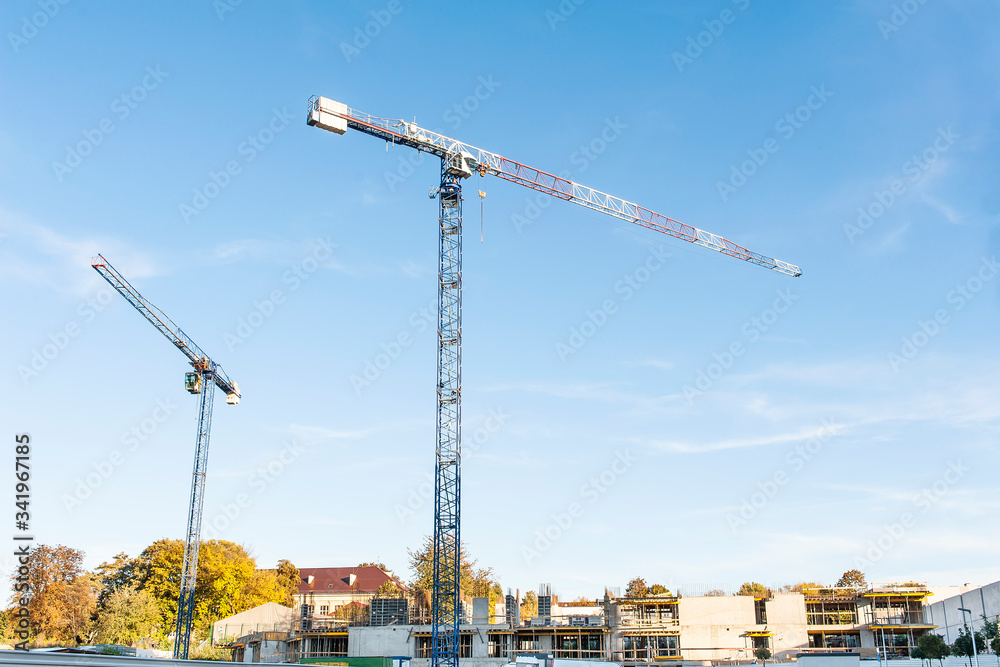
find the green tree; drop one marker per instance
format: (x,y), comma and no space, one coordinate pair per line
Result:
(289,580)
(918,654)
(933,647)
(659,589)
(636,588)
(754,589)
(113,575)
(853,579)
(228,581)
(388,589)
(128,617)
(475,582)
(995,645)
(762,653)
(963,643)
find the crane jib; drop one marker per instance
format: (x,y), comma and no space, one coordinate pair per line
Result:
(468,160)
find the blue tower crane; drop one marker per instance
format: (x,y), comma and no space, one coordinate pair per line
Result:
(206,376)
(459,161)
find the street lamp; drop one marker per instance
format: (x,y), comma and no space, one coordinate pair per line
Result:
(972,632)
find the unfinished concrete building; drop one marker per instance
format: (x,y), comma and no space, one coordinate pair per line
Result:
(882,621)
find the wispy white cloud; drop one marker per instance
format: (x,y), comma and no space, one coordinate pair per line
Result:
(798,435)
(39,255)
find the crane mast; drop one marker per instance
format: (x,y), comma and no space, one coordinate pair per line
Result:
(207,375)
(458,161)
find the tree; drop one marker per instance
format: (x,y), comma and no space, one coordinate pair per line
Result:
(918,654)
(762,653)
(79,606)
(112,576)
(754,589)
(582,601)
(388,589)
(933,647)
(49,589)
(963,644)
(228,581)
(659,589)
(477,583)
(852,579)
(529,606)
(380,566)
(636,588)
(128,617)
(801,586)
(995,645)
(715,593)
(289,580)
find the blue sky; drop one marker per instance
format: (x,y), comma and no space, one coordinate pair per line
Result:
(717,423)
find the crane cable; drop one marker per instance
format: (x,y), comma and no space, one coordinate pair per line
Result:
(482,197)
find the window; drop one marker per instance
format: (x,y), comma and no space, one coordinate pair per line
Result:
(832,613)
(761,642)
(651,647)
(760,611)
(423,648)
(324,609)
(465,646)
(499,645)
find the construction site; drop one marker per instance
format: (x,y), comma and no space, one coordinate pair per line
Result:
(509,348)
(882,622)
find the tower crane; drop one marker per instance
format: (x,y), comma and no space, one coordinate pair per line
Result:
(460,160)
(206,376)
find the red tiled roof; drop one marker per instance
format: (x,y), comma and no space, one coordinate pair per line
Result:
(337,579)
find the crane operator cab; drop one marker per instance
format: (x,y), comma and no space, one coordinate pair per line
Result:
(192,382)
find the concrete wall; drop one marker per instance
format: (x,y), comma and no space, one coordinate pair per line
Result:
(388,640)
(945,614)
(786,618)
(712,628)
